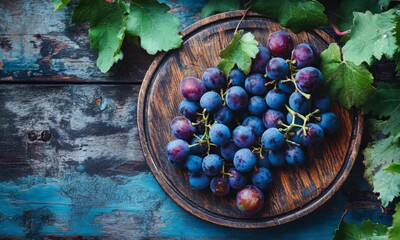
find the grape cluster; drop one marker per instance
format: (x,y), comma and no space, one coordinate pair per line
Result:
(235,128)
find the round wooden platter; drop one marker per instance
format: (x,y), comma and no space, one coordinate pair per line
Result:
(296,191)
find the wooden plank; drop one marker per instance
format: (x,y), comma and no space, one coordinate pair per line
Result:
(49,128)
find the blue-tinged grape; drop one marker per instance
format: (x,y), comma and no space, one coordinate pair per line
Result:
(262,178)
(262,161)
(199,180)
(223,115)
(289,119)
(322,102)
(328,122)
(272,117)
(237,77)
(309,79)
(177,150)
(236,98)
(228,150)
(189,109)
(211,101)
(212,165)
(257,105)
(193,163)
(182,128)
(287,87)
(277,69)
(256,124)
(272,139)
(314,135)
(192,88)
(304,54)
(219,134)
(237,180)
(214,79)
(244,160)
(250,200)
(280,44)
(198,148)
(277,158)
(260,62)
(299,103)
(276,99)
(243,136)
(294,155)
(219,186)
(255,84)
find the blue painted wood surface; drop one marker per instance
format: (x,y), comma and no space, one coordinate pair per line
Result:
(90,177)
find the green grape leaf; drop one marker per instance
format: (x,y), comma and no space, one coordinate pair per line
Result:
(394,167)
(366,231)
(345,82)
(372,36)
(385,103)
(394,230)
(345,11)
(298,15)
(384,4)
(378,156)
(218,6)
(83,11)
(59,4)
(239,51)
(107,31)
(398,65)
(157,29)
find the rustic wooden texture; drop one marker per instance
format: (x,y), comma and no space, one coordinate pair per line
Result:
(296,191)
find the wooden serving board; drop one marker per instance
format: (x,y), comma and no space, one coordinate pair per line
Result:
(296,191)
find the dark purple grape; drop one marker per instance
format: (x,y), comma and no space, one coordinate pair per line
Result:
(257,105)
(214,79)
(236,77)
(277,69)
(244,160)
(198,149)
(262,161)
(189,109)
(199,180)
(212,165)
(294,155)
(299,103)
(236,98)
(309,79)
(276,99)
(177,150)
(304,54)
(255,84)
(296,135)
(228,150)
(223,115)
(255,124)
(277,158)
(236,179)
(211,101)
(262,178)
(219,134)
(250,200)
(289,119)
(182,128)
(322,102)
(272,139)
(287,87)
(260,62)
(328,122)
(219,186)
(272,117)
(243,136)
(280,44)
(314,135)
(200,128)
(193,163)
(192,88)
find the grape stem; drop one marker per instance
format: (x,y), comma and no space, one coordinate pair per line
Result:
(240,21)
(306,95)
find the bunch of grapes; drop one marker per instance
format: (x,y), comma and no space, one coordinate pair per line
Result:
(235,128)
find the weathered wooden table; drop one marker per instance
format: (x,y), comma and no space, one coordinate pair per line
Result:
(70,157)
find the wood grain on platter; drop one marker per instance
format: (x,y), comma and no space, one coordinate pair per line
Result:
(296,191)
